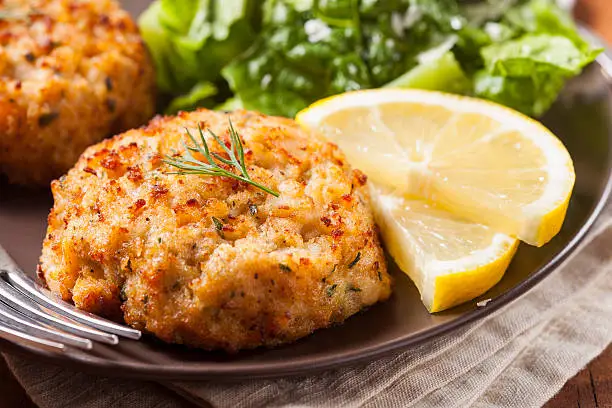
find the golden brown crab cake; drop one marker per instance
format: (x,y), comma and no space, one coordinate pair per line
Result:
(71,73)
(213,262)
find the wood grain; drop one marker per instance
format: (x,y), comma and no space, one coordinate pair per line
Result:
(590,388)
(11,393)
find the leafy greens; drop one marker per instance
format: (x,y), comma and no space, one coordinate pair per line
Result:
(278,56)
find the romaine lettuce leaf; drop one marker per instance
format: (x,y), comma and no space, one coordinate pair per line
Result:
(263,81)
(340,13)
(230,104)
(530,95)
(544,16)
(387,53)
(532,55)
(173,14)
(442,74)
(440,11)
(480,12)
(159,45)
(528,50)
(201,92)
(192,40)
(527,74)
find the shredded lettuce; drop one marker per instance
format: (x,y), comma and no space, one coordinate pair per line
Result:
(278,56)
(288,68)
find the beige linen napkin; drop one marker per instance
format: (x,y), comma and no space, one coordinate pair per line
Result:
(519,356)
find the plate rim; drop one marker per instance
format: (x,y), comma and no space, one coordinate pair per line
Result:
(219,372)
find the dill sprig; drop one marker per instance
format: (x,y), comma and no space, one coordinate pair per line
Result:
(187,164)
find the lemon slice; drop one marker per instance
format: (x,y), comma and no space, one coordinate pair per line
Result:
(449,259)
(479,160)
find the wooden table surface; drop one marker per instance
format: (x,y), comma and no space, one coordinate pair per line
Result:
(590,388)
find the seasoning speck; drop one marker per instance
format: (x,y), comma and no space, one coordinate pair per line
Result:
(354,261)
(46,118)
(122,294)
(218,226)
(284,268)
(111,105)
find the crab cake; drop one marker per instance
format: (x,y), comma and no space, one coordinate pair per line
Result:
(211,261)
(71,73)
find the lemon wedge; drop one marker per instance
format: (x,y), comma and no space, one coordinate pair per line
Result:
(479,160)
(456,182)
(450,260)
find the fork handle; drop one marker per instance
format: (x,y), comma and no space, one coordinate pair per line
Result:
(13,274)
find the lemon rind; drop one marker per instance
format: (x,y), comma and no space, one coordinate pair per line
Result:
(429,274)
(447,293)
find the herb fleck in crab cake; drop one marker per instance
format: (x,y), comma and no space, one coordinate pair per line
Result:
(212,261)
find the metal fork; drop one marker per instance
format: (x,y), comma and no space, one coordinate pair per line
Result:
(31,314)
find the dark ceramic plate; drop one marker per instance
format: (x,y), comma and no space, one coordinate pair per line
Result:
(581,118)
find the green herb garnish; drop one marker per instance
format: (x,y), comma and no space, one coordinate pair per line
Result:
(284,268)
(331,289)
(218,226)
(187,164)
(218,223)
(122,294)
(354,261)
(330,274)
(353,288)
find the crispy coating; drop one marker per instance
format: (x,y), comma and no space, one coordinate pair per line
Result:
(71,73)
(126,238)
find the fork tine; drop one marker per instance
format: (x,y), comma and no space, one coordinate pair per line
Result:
(16,336)
(43,296)
(19,301)
(28,325)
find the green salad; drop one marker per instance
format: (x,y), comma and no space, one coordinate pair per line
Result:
(278,56)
